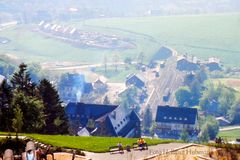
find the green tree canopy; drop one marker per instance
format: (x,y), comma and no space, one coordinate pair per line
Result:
(21,81)
(32,109)
(56,121)
(183,95)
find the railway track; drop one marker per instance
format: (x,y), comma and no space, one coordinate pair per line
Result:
(169,78)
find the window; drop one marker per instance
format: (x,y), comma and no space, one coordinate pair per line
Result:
(170,117)
(185,118)
(180,118)
(165,117)
(175,118)
(115,128)
(121,122)
(118,125)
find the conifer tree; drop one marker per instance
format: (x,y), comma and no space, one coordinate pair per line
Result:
(56,120)
(5,106)
(21,81)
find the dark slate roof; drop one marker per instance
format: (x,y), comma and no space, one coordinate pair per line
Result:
(182,115)
(136,79)
(94,111)
(88,88)
(163,53)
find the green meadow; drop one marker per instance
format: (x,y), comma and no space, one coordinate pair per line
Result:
(230,135)
(92,144)
(201,35)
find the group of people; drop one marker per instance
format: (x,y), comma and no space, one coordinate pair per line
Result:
(219,140)
(141,144)
(31,153)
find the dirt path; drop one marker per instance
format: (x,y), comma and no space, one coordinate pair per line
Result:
(135,154)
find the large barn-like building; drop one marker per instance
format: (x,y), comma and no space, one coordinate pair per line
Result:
(103,120)
(172,121)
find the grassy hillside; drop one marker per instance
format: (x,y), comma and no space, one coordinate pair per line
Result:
(202,35)
(92,144)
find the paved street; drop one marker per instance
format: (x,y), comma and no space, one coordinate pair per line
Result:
(135,154)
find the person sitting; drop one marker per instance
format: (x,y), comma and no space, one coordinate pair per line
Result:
(120,146)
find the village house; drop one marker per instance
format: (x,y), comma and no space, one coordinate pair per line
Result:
(213,64)
(100,85)
(72,86)
(172,121)
(187,63)
(103,120)
(223,121)
(136,80)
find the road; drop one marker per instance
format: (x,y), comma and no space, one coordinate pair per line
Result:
(135,154)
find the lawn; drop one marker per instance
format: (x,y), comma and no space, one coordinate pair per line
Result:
(201,35)
(92,144)
(230,135)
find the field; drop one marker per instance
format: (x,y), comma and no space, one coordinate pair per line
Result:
(92,144)
(202,35)
(230,82)
(230,135)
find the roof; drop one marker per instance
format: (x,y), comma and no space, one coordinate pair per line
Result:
(94,111)
(138,76)
(181,115)
(213,60)
(101,79)
(223,119)
(191,59)
(163,53)
(88,88)
(83,132)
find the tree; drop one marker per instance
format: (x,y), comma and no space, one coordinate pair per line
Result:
(183,95)
(32,109)
(56,120)
(6,114)
(203,135)
(210,126)
(21,81)
(184,135)
(147,119)
(234,113)
(128,60)
(17,121)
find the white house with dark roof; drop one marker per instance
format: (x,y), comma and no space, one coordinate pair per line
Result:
(103,120)
(172,121)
